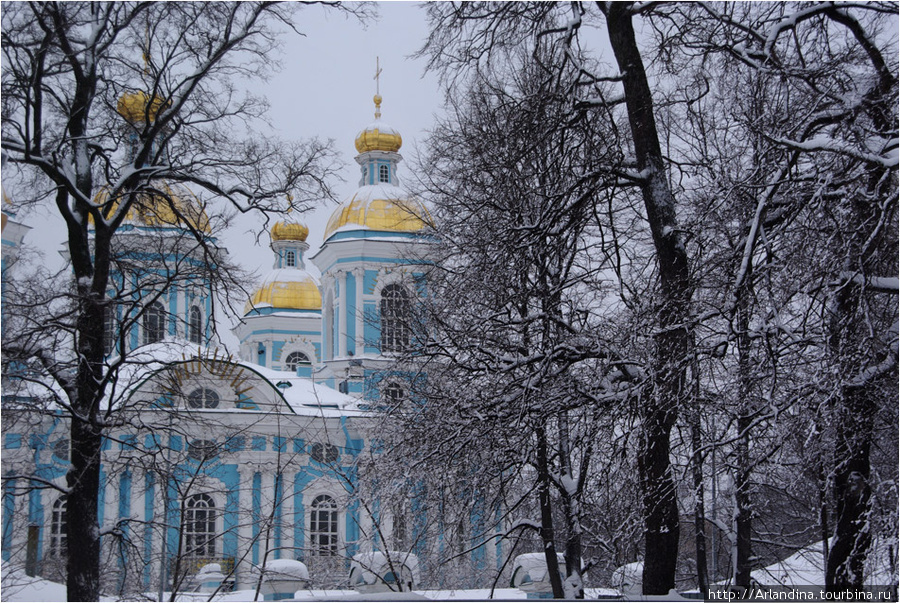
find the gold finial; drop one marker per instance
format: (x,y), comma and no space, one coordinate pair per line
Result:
(377,79)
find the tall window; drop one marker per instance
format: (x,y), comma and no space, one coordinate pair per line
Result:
(203,397)
(200,526)
(323,526)
(295,359)
(109,330)
(195,326)
(154,323)
(394,319)
(58,528)
(290,259)
(384,173)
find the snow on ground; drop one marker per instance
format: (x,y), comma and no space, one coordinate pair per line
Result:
(19,587)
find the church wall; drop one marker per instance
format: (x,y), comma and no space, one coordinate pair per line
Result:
(242,483)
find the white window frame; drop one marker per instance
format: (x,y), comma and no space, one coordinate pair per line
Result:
(154,310)
(315,535)
(58,540)
(195,331)
(208,538)
(395,335)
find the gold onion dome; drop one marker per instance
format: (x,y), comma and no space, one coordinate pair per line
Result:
(138,106)
(378,136)
(379,207)
(289,231)
(171,207)
(287,289)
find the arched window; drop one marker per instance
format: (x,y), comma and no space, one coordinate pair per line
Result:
(295,359)
(323,526)
(58,528)
(203,397)
(200,526)
(154,323)
(61,449)
(394,319)
(202,450)
(195,326)
(290,259)
(384,174)
(324,453)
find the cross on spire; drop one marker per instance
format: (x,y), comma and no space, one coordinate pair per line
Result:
(377,79)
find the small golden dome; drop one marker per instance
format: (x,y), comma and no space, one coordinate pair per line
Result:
(133,106)
(287,289)
(378,137)
(289,231)
(379,207)
(173,207)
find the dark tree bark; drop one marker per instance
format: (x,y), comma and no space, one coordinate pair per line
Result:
(660,409)
(548,534)
(66,66)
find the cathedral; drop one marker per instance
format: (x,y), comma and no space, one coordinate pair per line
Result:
(235,461)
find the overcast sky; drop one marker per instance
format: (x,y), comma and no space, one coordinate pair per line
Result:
(324,89)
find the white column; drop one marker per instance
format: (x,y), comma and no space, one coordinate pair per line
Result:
(245,517)
(359,273)
(341,315)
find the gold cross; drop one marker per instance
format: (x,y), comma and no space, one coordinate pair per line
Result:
(377,76)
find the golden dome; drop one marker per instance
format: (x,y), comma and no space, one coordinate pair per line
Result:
(289,231)
(378,136)
(379,207)
(133,106)
(287,289)
(172,208)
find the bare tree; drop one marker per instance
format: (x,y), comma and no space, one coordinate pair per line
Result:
(507,336)
(479,34)
(829,170)
(72,71)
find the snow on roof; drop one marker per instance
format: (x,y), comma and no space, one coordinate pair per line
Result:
(304,395)
(288,275)
(380,126)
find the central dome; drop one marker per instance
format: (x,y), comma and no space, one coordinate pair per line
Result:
(138,106)
(168,206)
(287,289)
(379,207)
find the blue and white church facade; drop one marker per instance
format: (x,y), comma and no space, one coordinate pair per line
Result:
(237,460)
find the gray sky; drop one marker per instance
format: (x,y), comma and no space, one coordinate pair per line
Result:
(324,89)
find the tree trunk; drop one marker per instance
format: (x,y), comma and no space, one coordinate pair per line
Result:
(548,535)
(847,556)
(571,508)
(699,506)
(743,523)
(673,337)
(83,477)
